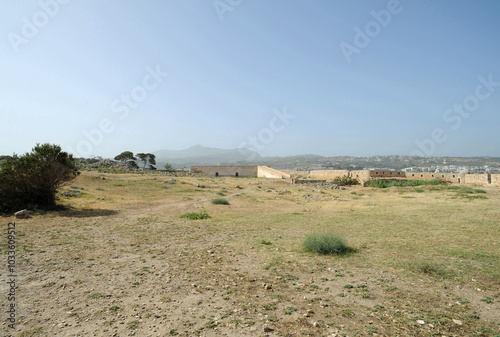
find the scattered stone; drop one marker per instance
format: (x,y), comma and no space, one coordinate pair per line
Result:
(316,324)
(323,304)
(421,322)
(268,286)
(72,193)
(238,187)
(268,329)
(199,185)
(23,214)
(457,322)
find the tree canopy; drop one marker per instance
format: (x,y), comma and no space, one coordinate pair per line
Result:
(128,159)
(148,160)
(32,179)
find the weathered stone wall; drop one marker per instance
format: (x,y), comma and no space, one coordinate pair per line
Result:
(226,171)
(495,179)
(362,175)
(386,174)
(479,179)
(449,177)
(296,173)
(267,172)
(328,174)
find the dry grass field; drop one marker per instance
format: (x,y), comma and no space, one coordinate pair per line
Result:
(120,261)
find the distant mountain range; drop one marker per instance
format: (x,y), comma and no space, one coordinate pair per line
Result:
(201,155)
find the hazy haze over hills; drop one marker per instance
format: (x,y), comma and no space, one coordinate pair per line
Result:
(201,155)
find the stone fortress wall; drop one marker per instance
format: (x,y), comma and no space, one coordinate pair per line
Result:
(458,178)
(241,171)
(363,176)
(226,171)
(328,174)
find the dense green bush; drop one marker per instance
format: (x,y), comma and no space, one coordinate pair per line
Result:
(326,244)
(346,180)
(195,216)
(220,201)
(32,180)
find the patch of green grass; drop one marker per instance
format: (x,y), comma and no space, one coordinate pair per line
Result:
(437,188)
(31,332)
(472,197)
(220,201)
(326,244)
(195,216)
(468,193)
(347,312)
(48,284)
(419,190)
(272,318)
(289,310)
(133,325)
(114,308)
(211,324)
(488,300)
(270,306)
(430,268)
(96,295)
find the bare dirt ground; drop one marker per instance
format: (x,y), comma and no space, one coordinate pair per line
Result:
(122,262)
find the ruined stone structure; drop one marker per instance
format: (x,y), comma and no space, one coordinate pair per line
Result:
(479,179)
(241,171)
(328,174)
(363,176)
(267,172)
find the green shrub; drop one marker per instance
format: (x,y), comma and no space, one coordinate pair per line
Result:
(220,201)
(346,180)
(32,180)
(326,244)
(195,216)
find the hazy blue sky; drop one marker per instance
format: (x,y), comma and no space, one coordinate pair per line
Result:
(283,77)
